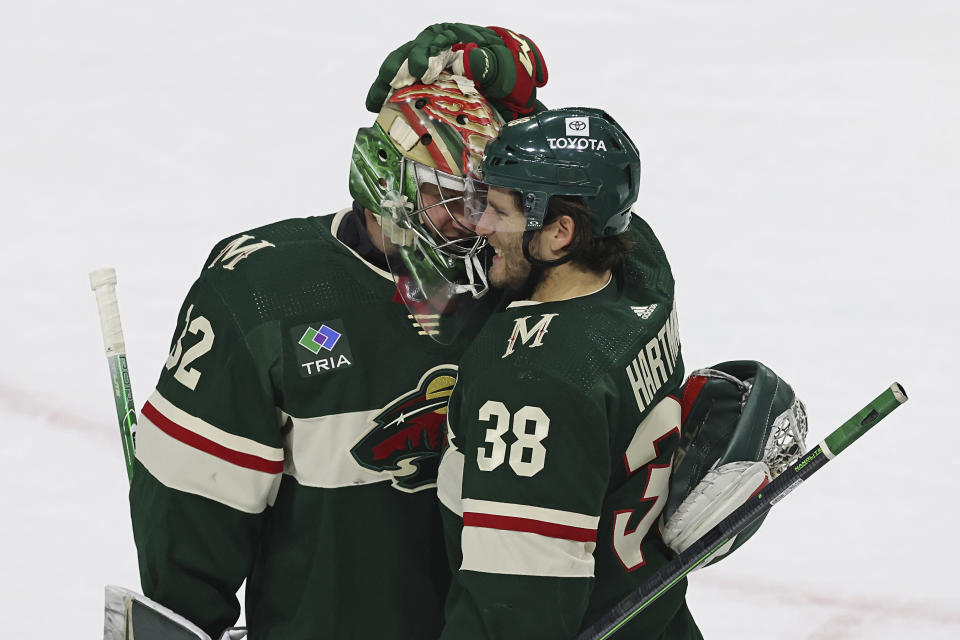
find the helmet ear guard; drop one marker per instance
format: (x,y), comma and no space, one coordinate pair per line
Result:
(535,208)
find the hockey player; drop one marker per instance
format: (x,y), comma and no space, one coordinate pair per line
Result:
(294,435)
(565,416)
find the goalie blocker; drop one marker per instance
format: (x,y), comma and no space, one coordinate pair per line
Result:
(742,427)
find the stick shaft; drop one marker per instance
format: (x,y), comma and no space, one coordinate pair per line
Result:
(685,562)
(103,283)
(126,409)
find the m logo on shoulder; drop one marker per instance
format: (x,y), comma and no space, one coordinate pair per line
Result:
(534,333)
(236,250)
(578,127)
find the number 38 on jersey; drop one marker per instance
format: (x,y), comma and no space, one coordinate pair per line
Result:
(526,454)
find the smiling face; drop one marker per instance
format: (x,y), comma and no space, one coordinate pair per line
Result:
(503,224)
(445,219)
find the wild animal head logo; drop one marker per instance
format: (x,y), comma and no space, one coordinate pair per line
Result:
(409,433)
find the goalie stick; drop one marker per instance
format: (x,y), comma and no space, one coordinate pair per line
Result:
(685,562)
(126,612)
(103,282)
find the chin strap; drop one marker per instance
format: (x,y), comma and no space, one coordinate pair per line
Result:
(537,262)
(475,272)
(538,267)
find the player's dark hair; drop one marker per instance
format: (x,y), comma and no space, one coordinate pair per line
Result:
(588,251)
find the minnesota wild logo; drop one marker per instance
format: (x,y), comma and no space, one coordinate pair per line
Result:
(408,435)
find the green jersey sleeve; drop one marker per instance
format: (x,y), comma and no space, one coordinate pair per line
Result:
(209,458)
(535,471)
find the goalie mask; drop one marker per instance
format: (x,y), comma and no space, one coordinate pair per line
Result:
(410,169)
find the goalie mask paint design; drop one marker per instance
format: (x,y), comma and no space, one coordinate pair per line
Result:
(410,432)
(424,135)
(410,169)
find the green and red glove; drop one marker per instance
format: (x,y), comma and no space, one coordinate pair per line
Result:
(507,67)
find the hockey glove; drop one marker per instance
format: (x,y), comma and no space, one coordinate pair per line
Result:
(506,67)
(741,427)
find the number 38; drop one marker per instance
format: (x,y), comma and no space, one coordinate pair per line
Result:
(527,453)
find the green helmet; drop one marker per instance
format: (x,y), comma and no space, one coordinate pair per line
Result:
(574,151)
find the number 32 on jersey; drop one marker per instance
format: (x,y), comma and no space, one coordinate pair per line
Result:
(184,373)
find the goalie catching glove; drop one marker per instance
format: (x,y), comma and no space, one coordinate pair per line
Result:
(507,67)
(742,426)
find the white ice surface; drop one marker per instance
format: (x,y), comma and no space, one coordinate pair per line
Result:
(801,166)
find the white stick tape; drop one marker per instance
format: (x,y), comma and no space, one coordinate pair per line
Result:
(104,283)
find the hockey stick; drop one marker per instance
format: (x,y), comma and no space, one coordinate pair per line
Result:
(685,562)
(104,282)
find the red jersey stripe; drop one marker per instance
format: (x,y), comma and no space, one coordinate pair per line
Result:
(206,445)
(511,523)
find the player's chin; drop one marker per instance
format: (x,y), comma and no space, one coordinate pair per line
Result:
(503,278)
(495,272)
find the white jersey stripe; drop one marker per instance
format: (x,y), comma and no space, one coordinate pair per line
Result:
(450,480)
(318,450)
(527,512)
(210,432)
(180,466)
(524,554)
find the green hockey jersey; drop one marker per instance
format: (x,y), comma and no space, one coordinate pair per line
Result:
(293,440)
(562,428)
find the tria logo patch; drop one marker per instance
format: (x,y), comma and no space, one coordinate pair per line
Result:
(409,433)
(236,250)
(323,338)
(534,334)
(578,126)
(328,342)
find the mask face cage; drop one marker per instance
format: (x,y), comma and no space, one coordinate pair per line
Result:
(437,251)
(475,192)
(449,232)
